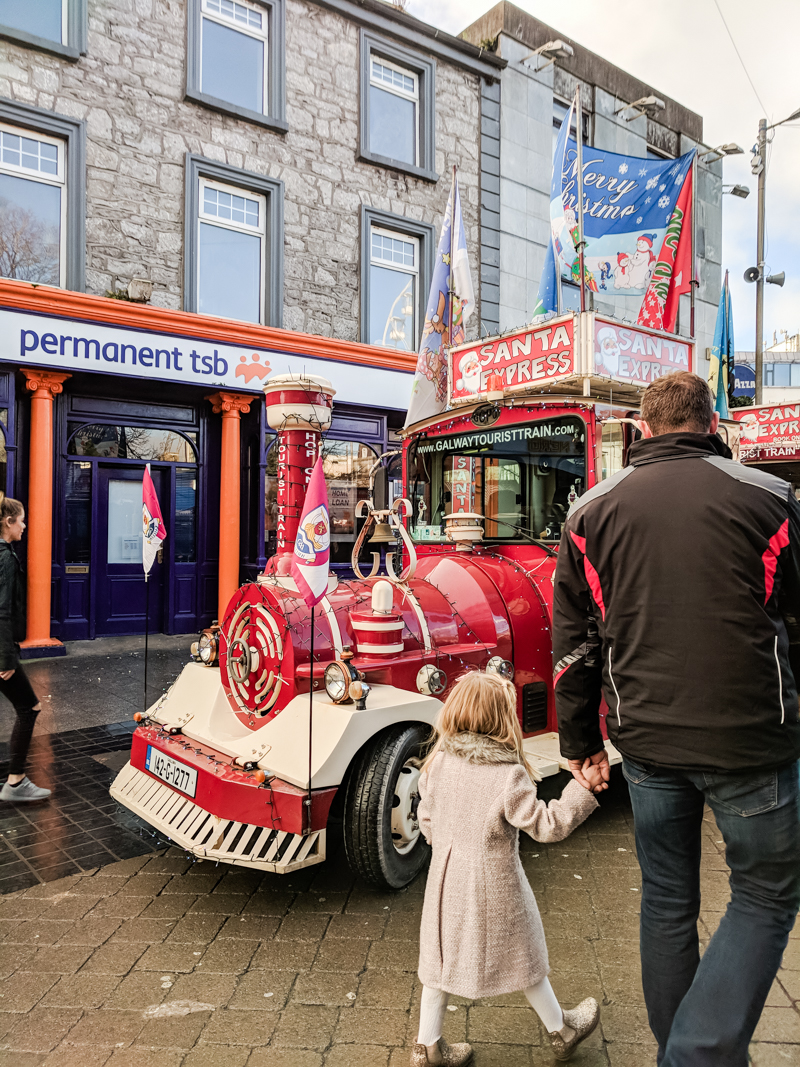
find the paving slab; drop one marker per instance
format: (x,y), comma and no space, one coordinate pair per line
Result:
(156,958)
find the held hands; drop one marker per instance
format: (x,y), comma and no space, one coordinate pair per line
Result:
(592,773)
(5,675)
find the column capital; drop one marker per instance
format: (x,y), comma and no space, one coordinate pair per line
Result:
(44,382)
(231,405)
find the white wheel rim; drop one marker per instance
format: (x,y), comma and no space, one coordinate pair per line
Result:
(405,825)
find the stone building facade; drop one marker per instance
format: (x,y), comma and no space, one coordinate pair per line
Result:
(521,113)
(129,90)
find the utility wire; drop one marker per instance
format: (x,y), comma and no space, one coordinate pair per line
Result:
(739,54)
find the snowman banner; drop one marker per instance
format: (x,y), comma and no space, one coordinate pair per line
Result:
(628,205)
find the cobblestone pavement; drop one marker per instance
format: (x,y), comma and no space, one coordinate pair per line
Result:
(156,960)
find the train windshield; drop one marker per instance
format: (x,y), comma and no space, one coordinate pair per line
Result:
(520,479)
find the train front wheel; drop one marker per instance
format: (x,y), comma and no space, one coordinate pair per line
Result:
(382,838)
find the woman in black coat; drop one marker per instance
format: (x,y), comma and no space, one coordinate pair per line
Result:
(14,684)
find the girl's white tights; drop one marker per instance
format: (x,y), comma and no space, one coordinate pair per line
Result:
(434,1002)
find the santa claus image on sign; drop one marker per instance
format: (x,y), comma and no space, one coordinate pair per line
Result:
(751,429)
(470,369)
(641,262)
(606,358)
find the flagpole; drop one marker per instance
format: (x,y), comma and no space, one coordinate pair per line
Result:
(695,281)
(581,242)
(146,632)
(310,718)
(451,276)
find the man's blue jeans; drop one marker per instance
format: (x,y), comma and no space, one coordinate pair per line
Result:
(704,1012)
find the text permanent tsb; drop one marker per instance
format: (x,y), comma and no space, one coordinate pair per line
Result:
(114,352)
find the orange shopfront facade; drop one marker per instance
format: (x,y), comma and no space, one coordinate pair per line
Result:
(91,389)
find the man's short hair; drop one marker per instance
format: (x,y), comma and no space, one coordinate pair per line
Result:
(679,402)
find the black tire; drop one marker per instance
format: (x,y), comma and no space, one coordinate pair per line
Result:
(368,802)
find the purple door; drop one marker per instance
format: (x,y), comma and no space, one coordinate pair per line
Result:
(121,594)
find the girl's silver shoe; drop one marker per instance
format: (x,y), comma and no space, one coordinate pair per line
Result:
(441,1054)
(578,1023)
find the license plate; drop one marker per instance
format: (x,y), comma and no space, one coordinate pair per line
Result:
(169,770)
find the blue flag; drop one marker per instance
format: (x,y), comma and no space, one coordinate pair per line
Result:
(722,352)
(628,203)
(547,298)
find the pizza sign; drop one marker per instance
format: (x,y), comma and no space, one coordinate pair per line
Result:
(515,361)
(769,433)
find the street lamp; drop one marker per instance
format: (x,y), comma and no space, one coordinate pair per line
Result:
(647,105)
(551,51)
(737,190)
(758,167)
(713,154)
(396,324)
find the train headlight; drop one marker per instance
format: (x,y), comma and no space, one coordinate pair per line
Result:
(206,648)
(338,676)
(503,667)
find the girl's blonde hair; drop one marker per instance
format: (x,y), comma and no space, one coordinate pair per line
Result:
(9,509)
(482,704)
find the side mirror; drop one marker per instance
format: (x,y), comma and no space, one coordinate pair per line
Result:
(381,488)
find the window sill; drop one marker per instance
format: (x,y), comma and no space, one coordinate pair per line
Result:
(404,168)
(41,44)
(269,122)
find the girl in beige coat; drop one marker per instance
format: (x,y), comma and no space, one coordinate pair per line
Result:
(481,934)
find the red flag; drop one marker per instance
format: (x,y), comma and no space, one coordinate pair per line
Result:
(153,529)
(672,274)
(313,541)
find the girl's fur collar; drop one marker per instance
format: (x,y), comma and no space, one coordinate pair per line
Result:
(478,748)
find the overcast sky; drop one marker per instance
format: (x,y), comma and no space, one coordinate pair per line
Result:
(683,50)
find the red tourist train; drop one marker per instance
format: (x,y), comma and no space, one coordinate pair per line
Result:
(233,764)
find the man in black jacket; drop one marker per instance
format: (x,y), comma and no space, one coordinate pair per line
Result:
(677,598)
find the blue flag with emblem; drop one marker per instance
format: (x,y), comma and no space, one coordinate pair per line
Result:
(722,352)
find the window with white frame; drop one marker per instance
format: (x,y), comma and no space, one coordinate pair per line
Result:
(234,53)
(33,205)
(393,111)
(231,252)
(393,289)
(40,18)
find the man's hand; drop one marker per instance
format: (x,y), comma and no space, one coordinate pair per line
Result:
(5,675)
(592,773)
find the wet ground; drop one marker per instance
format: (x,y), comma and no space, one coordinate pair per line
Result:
(100,682)
(153,959)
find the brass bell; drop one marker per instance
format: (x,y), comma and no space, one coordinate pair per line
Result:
(383,535)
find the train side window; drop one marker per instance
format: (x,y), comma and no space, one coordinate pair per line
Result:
(612,449)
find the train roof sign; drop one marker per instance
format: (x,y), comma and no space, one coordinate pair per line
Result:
(584,352)
(769,432)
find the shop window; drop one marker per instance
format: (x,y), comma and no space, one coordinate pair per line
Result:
(32,207)
(231,253)
(560,109)
(236,58)
(396,267)
(42,197)
(397,107)
(234,243)
(347,465)
(57,26)
(132,442)
(183,539)
(78,514)
(393,289)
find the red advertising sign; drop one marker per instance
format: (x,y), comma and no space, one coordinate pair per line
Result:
(534,355)
(769,432)
(637,356)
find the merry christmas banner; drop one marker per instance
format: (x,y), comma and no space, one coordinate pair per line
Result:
(628,204)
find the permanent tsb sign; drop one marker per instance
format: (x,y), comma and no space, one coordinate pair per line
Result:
(70,344)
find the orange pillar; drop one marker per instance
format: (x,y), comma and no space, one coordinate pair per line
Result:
(230,405)
(43,385)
